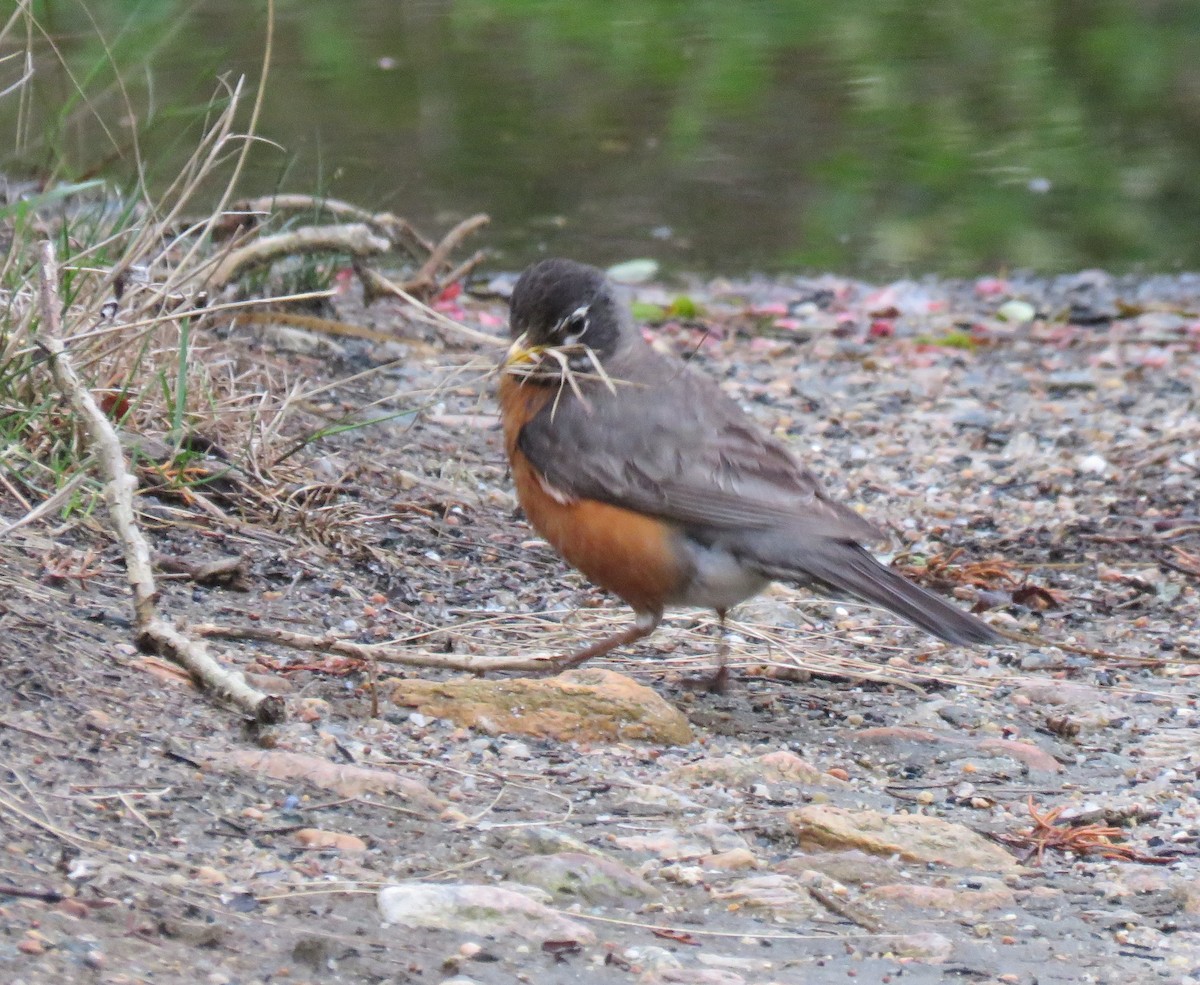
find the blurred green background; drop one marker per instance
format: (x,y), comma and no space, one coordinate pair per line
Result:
(879,139)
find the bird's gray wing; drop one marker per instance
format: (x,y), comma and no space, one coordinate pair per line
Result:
(672,445)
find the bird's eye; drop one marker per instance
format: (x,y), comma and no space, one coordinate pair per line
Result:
(570,330)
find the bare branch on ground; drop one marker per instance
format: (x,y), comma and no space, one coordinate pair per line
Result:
(383,652)
(356,239)
(118,494)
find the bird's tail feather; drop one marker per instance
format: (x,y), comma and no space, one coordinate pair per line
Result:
(846,566)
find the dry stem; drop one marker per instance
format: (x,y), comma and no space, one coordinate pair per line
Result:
(399,231)
(118,494)
(356,239)
(385,652)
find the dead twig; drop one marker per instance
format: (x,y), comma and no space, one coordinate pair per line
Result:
(375,285)
(439,256)
(944,571)
(48,506)
(365,234)
(1186,562)
(382,652)
(400,232)
(1083,839)
(845,910)
(42,895)
(29,731)
(118,494)
(311,323)
(356,239)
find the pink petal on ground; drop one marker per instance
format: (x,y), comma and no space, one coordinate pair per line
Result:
(990,287)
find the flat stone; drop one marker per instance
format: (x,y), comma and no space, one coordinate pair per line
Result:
(915,837)
(786,898)
(949,900)
(340,841)
(592,878)
(672,844)
(931,948)
(345,779)
(579,705)
(851,867)
(477,910)
(731,771)
(543,840)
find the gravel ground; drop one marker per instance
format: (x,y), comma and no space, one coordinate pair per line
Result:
(858,807)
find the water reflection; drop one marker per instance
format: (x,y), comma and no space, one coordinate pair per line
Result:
(880,139)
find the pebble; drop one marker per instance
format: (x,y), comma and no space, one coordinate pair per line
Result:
(591,878)
(476,909)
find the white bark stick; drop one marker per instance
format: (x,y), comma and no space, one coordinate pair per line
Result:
(119,489)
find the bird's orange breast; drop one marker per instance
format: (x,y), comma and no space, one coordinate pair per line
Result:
(632,555)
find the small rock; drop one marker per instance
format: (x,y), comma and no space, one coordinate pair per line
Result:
(1016,311)
(672,844)
(477,910)
(784,896)
(931,948)
(993,897)
(683,875)
(316,838)
(1071,379)
(97,720)
(312,709)
(515,750)
(731,861)
(633,271)
(593,879)
(650,798)
(541,840)
(732,771)
(577,706)
(1092,464)
(850,867)
(915,837)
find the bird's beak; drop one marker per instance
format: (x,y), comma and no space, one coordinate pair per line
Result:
(522,352)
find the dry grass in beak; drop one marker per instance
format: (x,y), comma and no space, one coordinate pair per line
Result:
(520,353)
(529,362)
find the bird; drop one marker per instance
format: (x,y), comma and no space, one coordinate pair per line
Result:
(655,484)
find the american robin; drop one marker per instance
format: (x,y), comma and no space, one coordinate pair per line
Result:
(657,486)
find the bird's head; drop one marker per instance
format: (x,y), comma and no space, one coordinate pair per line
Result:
(564,317)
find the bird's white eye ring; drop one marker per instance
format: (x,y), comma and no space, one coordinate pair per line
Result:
(571,328)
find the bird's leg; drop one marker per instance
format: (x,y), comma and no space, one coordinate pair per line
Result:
(719,683)
(643,626)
